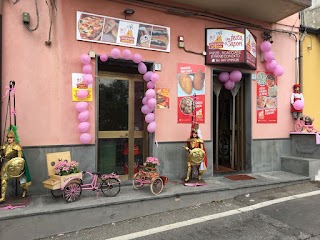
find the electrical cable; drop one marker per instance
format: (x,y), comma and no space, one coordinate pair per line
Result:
(37,12)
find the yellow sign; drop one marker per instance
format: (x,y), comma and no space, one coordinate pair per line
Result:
(78,84)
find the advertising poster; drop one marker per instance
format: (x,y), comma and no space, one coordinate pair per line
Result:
(77,84)
(162,96)
(115,31)
(267,92)
(191,93)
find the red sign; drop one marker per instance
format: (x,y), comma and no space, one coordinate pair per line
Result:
(267,93)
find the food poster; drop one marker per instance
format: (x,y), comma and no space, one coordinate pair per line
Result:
(191,93)
(77,84)
(109,30)
(162,96)
(267,92)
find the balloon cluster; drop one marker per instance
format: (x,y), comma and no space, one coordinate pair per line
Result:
(230,79)
(271,64)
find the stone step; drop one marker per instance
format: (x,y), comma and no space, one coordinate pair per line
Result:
(309,167)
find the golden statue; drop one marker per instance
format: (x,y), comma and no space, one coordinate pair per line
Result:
(196,154)
(13,165)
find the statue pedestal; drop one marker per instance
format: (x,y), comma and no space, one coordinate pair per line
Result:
(14,202)
(195,183)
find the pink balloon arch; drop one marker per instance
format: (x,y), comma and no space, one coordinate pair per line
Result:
(149,101)
(269,57)
(229,80)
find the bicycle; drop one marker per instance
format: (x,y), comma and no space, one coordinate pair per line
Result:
(109,184)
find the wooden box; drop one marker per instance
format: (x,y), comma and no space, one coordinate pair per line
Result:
(55,181)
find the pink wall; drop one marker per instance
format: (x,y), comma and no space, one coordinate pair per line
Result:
(45,111)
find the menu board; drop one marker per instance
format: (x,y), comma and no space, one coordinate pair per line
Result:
(115,31)
(267,94)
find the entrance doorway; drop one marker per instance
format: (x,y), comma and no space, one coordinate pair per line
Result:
(228,117)
(122,136)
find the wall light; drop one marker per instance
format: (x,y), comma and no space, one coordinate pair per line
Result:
(128,12)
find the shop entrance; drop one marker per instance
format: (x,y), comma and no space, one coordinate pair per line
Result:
(122,138)
(228,112)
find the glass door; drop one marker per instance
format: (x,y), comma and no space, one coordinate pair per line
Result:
(122,138)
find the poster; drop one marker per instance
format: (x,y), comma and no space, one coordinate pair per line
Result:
(162,96)
(77,84)
(191,93)
(267,93)
(108,30)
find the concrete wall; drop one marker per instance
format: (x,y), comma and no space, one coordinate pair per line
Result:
(310,16)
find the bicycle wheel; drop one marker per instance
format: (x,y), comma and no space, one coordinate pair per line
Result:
(72,191)
(57,193)
(156,186)
(110,187)
(137,182)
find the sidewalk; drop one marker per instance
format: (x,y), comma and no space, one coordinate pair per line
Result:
(93,209)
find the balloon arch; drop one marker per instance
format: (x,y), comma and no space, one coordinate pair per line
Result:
(149,101)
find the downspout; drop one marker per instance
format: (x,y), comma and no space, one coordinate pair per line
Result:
(300,80)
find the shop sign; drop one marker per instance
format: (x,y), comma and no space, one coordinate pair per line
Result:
(191,93)
(162,96)
(78,84)
(115,31)
(231,47)
(267,95)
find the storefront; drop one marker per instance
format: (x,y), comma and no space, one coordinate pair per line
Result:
(117,137)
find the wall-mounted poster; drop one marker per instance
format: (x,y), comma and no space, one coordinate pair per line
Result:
(267,93)
(115,31)
(162,96)
(77,84)
(191,93)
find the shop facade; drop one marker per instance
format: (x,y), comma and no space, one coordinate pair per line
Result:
(45,70)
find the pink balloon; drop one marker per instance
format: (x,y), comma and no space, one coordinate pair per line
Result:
(142,68)
(150,93)
(136,58)
(149,117)
(87,69)
(269,56)
(81,106)
(235,76)
(151,85)
(83,116)
(104,57)
(151,127)
(83,127)
(85,138)
(154,77)
(229,85)
(82,93)
(115,53)
(88,78)
(265,46)
(126,54)
(152,102)
(224,77)
(145,100)
(85,59)
(147,76)
(146,109)
(298,105)
(278,71)
(271,66)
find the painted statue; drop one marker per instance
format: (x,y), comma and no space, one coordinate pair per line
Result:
(13,165)
(296,95)
(196,154)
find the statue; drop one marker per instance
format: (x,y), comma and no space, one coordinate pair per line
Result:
(196,154)
(296,95)
(13,165)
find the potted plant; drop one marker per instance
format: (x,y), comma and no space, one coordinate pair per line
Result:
(308,120)
(63,167)
(151,163)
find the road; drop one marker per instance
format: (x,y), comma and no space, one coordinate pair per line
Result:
(291,212)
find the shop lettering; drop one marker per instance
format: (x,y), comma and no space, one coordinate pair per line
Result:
(185,70)
(234,41)
(269,112)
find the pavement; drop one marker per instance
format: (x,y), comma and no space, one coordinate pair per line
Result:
(94,209)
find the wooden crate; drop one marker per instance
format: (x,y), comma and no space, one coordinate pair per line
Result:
(55,182)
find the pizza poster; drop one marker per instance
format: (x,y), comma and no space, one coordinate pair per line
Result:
(115,31)
(267,93)
(191,93)
(162,97)
(77,84)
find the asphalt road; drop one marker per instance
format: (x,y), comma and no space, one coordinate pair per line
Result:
(288,219)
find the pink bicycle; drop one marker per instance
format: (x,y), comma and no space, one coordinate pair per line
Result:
(109,184)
